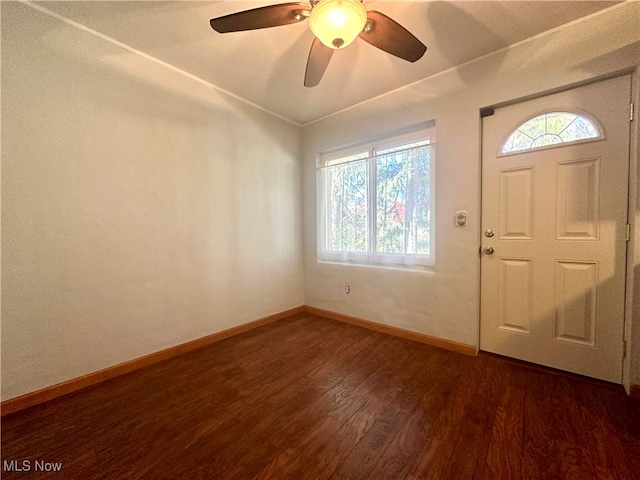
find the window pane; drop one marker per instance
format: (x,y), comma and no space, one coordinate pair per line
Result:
(534,127)
(391,199)
(347,207)
(550,129)
(579,129)
(420,213)
(558,121)
(544,140)
(517,141)
(403,207)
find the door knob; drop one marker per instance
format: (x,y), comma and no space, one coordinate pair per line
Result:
(489,233)
(488,250)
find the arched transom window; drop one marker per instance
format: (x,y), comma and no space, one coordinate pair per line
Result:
(550,129)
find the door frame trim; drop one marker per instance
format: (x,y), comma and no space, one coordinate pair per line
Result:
(631,324)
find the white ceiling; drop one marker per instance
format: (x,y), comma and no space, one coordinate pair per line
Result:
(266,67)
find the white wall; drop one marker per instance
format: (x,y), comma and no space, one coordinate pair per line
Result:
(140,208)
(446,303)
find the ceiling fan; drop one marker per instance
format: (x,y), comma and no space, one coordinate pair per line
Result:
(335,24)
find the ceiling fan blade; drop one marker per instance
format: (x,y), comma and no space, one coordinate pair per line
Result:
(388,35)
(262,17)
(319,57)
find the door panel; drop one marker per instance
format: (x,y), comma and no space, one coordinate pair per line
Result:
(577,200)
(516,203)
(515,281)
(576,287)
(552,291)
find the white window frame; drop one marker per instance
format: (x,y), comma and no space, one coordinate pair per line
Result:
(371,257)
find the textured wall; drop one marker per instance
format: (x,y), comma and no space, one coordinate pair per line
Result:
(140,208)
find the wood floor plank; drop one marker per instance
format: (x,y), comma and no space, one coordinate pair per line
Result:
(368,407)
(312,398)
(507,433)
(415,435)
(357,408)
(607,455)
(447,429)
(539,451)
(363,458)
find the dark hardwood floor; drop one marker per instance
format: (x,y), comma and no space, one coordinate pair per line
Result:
(311,398)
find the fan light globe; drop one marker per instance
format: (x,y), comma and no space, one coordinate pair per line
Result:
(337,23)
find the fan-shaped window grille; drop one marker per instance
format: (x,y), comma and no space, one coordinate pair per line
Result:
(550,129)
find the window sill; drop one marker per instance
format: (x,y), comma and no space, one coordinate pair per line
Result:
(421,269)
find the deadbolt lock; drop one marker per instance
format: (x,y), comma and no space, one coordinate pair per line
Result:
(489,233)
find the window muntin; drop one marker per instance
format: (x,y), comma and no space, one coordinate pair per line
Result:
(376,202)
(550,129)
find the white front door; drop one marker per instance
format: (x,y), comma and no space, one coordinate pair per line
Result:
(554,227)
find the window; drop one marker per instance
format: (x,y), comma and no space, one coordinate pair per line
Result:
(550,129)
(376,202)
